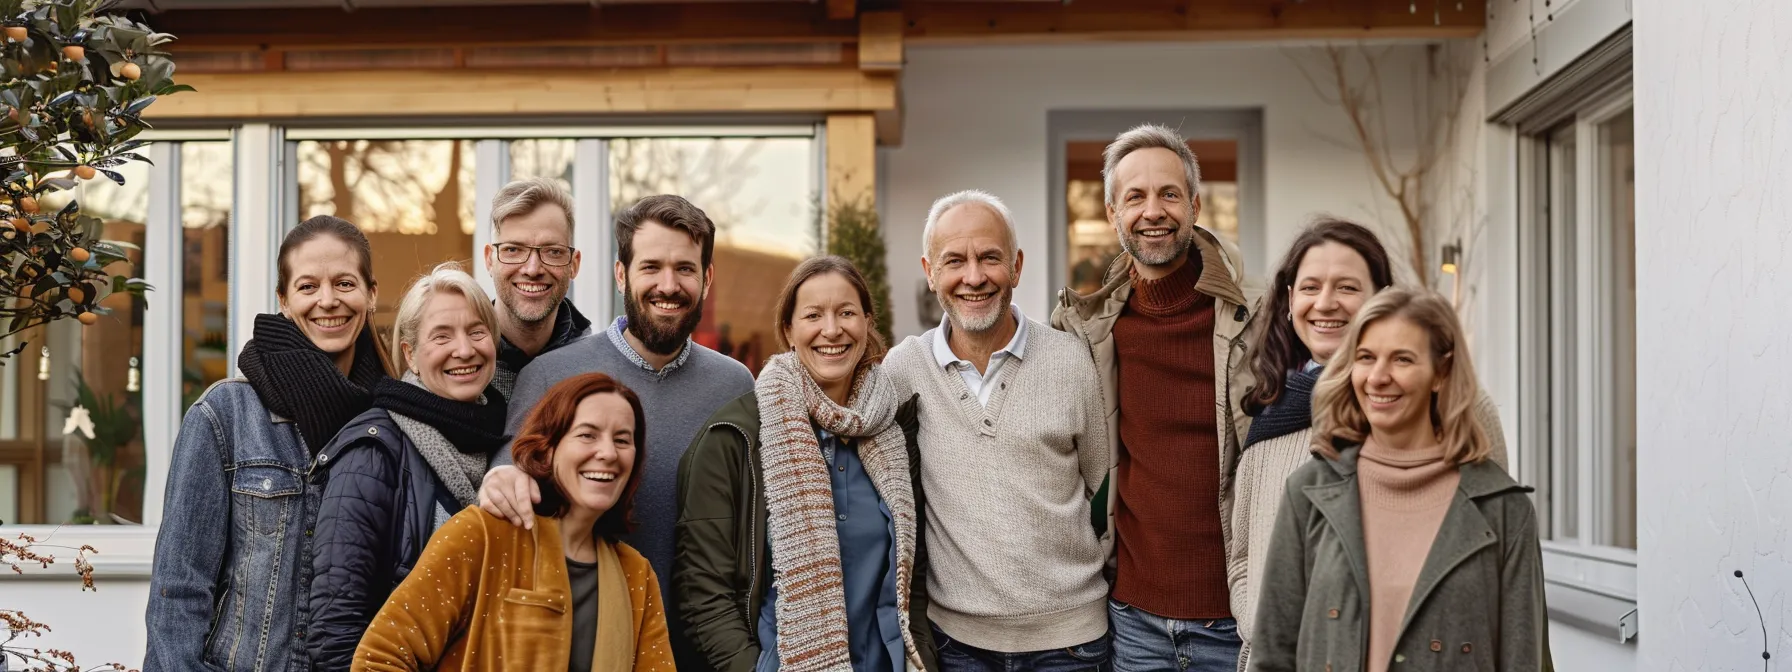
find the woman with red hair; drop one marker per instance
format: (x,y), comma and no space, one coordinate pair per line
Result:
(489,595)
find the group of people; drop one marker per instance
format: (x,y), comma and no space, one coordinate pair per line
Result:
(1312,476)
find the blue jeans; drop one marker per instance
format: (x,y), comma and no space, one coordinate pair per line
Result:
(957,656)
(1146,642)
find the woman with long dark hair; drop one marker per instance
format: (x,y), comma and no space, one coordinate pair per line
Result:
(1330,271)
(232,557)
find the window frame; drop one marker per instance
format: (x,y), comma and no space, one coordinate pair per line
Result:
(264,207)
(1585,395)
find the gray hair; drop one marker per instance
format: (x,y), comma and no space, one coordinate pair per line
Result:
(967,197)
(447,277)
(1147,136)
(522,197)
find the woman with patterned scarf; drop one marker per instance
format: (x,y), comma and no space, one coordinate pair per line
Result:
(799,528)
(400,470)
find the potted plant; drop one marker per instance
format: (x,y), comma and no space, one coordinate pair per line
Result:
(98,429)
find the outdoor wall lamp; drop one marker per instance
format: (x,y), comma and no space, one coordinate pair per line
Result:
(1452,254)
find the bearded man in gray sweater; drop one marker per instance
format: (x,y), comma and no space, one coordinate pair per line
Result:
(664,247)
(1013,447)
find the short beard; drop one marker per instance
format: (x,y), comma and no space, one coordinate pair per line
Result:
(983,323)
(658,338)
(1180,241)
(507,296)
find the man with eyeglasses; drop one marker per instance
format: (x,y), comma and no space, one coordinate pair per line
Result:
(532,264)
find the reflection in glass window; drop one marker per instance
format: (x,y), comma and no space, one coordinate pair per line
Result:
(54,477)
(542,158)
(413,199)
(205,200)
(1618,177)
(1092,243)
(759,193)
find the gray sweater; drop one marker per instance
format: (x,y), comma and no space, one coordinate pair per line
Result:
(677,400)
(1013,561)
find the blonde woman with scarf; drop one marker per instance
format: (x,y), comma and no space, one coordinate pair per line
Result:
(798,536)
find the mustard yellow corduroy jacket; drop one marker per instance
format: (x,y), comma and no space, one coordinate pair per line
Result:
(488,595)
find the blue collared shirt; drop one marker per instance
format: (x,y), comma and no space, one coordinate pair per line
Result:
(981,384)
(621,343)
(867,568)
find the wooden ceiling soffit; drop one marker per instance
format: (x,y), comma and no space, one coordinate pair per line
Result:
(425,93)
(933,22)
(525,25)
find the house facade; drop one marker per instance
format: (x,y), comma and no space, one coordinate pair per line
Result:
(1608,321)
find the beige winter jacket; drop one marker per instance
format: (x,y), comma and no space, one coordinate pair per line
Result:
(1236,300)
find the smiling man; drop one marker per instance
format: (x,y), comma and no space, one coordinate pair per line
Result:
(1013,446)
(1167,331)
(532,263)
(664,249)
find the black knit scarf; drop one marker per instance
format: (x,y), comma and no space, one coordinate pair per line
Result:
(1290,414)
(295,379)
(473,428)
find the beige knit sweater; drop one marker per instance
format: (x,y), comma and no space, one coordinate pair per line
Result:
(1262,474)
(1013,561)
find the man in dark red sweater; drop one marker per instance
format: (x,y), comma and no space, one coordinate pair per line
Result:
(1167,330)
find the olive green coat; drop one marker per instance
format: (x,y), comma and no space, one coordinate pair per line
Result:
(1477,604)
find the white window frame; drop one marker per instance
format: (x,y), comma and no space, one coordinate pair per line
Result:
(1585,396)
(264,208)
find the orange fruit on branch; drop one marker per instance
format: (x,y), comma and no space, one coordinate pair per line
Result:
(16,33)
(87,317)
(77,295)
(74,52)
(27,204)
(130,71)
(80,255)
(85,172)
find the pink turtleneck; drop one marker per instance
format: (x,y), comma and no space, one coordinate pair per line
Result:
(1405,494)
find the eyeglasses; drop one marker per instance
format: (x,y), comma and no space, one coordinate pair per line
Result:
(552,255)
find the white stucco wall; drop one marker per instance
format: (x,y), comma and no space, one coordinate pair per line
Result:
(976,118)
(1714,139)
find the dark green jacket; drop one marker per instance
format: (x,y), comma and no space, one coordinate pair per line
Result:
(721,570)
(1477,605)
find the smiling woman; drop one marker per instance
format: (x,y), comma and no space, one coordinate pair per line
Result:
(566,594)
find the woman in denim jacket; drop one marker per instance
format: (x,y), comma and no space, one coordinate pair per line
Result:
(231,560)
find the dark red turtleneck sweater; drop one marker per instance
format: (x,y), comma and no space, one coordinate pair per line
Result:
(1172,553)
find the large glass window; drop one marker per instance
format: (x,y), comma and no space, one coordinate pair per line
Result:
(413,199)
(759,192)
(550,158)
(1092,241)
(1583,366)
(53,471)
(205,199)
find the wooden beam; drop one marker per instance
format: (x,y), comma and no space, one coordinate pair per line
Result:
(530,25)
(923,22)
(417,93)
(889,123)
(842,9)
(1164,20)
(852,159)
(880,41)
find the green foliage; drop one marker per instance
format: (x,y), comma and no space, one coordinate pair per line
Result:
(114,424)
(854,233)
(74,84)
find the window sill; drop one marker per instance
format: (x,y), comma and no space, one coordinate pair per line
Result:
(1590,609)
(120,551)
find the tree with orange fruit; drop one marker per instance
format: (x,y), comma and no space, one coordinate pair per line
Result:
(74,83)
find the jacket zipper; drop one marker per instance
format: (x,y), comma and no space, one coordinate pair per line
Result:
(746,601)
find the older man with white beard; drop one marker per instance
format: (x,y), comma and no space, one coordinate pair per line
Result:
(1013,446)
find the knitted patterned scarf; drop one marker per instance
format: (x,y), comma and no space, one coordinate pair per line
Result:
(799,501)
